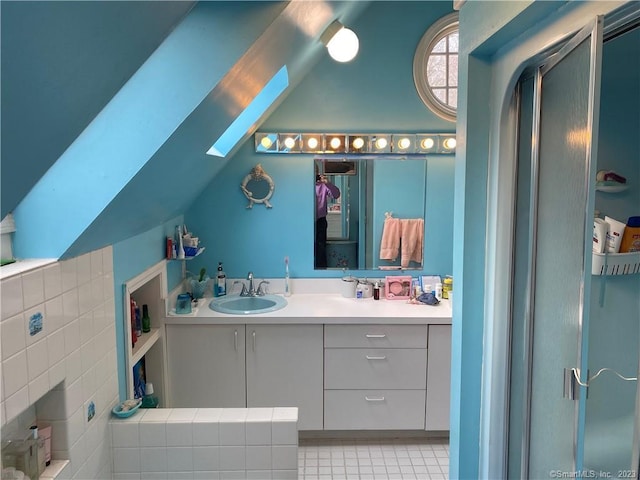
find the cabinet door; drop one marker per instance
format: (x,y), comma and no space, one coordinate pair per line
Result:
(284,369)
(438,377)
(206,366)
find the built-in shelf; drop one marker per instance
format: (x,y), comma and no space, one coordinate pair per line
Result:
(612,188)
(54,469)
(143,344)
(615,263)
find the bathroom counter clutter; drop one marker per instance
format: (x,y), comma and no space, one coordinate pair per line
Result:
(326,309)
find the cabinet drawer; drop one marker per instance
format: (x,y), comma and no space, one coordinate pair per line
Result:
(362,368)
(374,409)
(375,336)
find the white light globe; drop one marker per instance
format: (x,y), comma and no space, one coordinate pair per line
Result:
(343,47)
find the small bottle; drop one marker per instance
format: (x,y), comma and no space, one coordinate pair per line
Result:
(138,321)
(149,400)
(376,291)
(146,320)
(360,290)
(438,293)
(179,244)
(134,334)
(221,282)
(40,450)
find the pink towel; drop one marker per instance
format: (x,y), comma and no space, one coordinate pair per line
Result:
(412,233)
(390,243)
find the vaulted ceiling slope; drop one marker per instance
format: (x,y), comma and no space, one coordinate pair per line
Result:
(141,161)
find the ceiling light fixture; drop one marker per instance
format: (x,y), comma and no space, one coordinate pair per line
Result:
(341,42)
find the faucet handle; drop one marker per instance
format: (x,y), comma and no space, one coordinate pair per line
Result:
(262,291)
(243,292)
(250,276)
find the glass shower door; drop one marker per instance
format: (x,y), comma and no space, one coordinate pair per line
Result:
(557,261)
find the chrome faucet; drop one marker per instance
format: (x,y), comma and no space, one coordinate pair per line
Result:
(252,291)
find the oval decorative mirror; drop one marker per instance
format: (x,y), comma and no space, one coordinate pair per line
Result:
(258,187)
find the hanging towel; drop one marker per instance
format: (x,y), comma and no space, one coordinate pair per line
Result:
(390,243)
(412,234)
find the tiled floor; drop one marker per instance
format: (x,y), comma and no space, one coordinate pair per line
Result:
(377,459)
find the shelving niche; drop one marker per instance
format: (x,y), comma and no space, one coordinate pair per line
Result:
(150,288)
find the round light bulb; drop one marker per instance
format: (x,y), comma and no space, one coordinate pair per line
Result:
(427,143)
(404,143)
(450,143)
(289,142)
(358,143)
(266,142)
(381,143)
(312,143)
(343,47)
(335,143)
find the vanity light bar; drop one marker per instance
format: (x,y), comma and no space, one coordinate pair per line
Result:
(355,143)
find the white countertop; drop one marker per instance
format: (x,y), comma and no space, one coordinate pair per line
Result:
(325,309)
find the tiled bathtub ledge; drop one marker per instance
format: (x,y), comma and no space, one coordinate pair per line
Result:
(206,443)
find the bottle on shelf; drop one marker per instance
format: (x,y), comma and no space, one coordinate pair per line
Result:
(179,243)
(146,320)
(40,450)
(134,334)
(149,400)
(138,321)
(221,282)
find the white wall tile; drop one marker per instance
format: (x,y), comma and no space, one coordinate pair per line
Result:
(97,291)
(33,288)
(75,426)
(258,432)
(13,336)
(284,457)
(156,415)
(126,476)
(77,455)
(233,475)
(38,387)
(73,397)
(11,296)
(107,259)
(52,407)
(287,474)
(85,322)
(206,434)
(259,475)
(232,428)
(206,475)
(72,337)
(52,281)
(55,346)
(96,263)
(126,460)
(259,457)
(206,458)
(57,373)
(180,475)
(154,476)
(70,306)
(284,432)
(15,374)
(153,434)
(180,459)
(83,267)
(54,314)
(179,434)
(16,403)
(88,384)
(85,298)
(232,458)
(73,364)
(69,274)
(153,459)
(125,434)
(182,415)
(3,415)
(37,358)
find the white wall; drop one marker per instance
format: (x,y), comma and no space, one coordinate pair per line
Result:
(55,374)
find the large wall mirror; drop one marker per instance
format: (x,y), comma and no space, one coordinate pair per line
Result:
(370,190)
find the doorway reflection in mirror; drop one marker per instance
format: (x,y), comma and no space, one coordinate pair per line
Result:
(325,191)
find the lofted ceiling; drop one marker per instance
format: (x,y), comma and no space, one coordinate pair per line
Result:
(108,108)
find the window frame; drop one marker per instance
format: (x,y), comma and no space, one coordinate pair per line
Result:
(436,32)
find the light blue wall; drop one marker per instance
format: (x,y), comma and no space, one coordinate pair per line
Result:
(130,258)
(373,93)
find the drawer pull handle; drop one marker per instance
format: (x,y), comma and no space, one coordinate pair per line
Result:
(375,335)
(374,399)
(371,357)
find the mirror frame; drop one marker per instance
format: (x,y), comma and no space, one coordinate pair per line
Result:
(257,174)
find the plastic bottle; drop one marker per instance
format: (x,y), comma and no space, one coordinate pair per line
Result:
(146,320)
(149,400)
(447,286)
(221,282)
(179,244)
(376,291)
(438,292)
(631,237)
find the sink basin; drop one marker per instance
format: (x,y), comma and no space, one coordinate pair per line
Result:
(237,305)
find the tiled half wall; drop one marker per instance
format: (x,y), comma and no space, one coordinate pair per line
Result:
(206,444)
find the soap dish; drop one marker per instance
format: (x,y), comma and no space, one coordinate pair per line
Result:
(119,412)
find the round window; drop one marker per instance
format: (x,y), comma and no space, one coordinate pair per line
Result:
(435,67)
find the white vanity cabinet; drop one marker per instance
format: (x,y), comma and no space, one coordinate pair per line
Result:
(375,377)
(206,366)
(284,369)
(438,378)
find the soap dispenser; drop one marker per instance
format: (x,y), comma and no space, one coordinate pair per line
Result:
(221,282)
(149,400)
